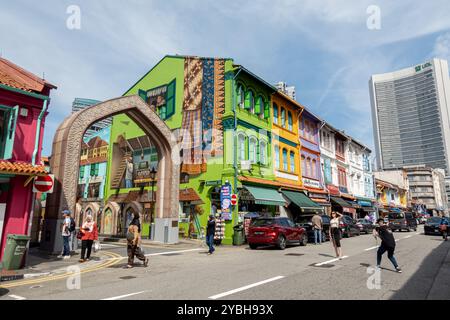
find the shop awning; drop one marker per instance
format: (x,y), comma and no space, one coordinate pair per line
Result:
(266,196)
(368,209)
(341,202)
(301,200)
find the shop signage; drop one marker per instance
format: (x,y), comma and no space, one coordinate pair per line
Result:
(343,189)
(225,201)
(311,183)
(213,183)
(423,66)
(334,191)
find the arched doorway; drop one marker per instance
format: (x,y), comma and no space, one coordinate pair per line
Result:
(132,209)
(93,209)
(67,143)
(110,215)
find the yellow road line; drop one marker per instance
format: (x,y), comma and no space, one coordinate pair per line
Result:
(108,262)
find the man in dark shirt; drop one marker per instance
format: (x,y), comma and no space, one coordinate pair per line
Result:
(387,243)
(210,231)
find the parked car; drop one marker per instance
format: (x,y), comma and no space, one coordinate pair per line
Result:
(365,225)
(402,221)
(279,231)
(305,222)
(432,226)
(349,227)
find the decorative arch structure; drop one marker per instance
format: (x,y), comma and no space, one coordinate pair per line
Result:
(65,165)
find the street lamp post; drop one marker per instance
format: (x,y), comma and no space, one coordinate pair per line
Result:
(152,180)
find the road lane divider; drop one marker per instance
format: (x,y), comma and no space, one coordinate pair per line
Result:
(330,261)
(124,296)
(16,297)
(372,248)
(224,294)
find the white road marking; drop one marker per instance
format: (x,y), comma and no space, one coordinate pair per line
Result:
(220,295)
(17,297)
(368,249)
(124,296)
(110,245)
(329,261)
(157,254)
(407,237)
(169,252)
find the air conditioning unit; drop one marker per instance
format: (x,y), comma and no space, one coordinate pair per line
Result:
(246,165)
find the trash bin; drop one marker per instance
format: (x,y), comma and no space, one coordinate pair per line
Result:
(16,245)
(238,235)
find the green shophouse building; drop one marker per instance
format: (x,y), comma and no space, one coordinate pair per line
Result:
(220,113)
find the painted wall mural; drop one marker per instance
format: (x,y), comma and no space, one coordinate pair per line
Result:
(203,107)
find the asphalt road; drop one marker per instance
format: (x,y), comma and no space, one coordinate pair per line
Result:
(264,274)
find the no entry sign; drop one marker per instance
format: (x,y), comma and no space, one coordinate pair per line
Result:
(233,199)
(43,184)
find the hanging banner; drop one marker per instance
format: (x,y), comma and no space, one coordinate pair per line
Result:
(225,200)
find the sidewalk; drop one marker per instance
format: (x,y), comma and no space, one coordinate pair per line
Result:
(41,264)
(182,243)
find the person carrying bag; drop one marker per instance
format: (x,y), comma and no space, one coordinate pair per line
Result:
(443,226)
(134,243)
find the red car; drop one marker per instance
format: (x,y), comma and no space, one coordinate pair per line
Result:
(278,231)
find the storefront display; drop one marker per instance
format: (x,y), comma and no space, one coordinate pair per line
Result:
(220,229)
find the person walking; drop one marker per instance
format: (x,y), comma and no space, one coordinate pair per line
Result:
(318,227)
(134,248)
(383,232)
(89,235)
(66,233)
(210,231)
(335,233)
(443,226)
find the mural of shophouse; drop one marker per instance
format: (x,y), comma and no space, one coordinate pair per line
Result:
(309,127)
(92,178)
(189,94)
(286,154)
(24,103)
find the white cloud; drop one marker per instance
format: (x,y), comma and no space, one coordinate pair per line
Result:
(442,47)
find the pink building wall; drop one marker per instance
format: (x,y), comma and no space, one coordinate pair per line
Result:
(19,199)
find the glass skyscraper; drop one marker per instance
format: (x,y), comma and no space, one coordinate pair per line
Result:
(410,113)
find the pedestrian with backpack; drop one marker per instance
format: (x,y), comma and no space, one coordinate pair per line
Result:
(134,248)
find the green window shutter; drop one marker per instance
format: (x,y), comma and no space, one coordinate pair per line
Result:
(92,170)
(266,110)
(81,172)
(170,100)
(143,95)
(248,96)
(258,106)
(97,167)
(10,132)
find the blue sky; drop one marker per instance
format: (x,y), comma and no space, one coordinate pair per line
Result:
(324,48)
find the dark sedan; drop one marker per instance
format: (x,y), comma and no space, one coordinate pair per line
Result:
(432,226)
(365,226)
(305,222)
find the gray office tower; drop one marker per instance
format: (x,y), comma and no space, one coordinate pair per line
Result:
(411,116)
